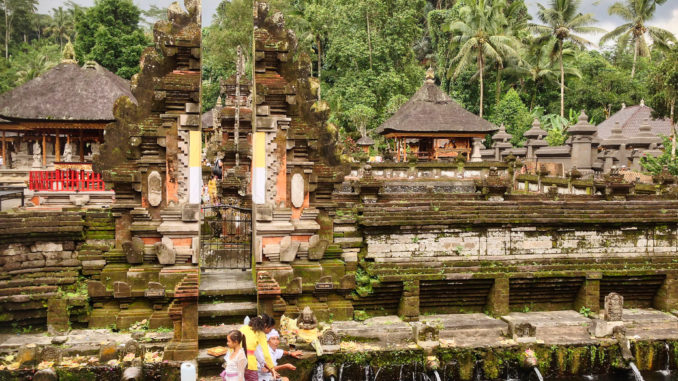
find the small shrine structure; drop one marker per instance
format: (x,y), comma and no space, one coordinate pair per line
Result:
(432,126)
(57,120)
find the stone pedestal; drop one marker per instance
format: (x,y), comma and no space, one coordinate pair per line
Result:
(667,296)
(589,293)
(408,309)
(498,298)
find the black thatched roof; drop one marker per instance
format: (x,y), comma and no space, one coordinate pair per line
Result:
(431,110)
(66,92)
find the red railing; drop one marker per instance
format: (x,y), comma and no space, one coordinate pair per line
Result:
(66,181)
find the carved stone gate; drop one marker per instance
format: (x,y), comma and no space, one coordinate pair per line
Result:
(226,238)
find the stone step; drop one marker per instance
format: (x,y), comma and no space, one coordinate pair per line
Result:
(227,282)
(227,309)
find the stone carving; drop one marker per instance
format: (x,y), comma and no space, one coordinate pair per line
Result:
(307,319)
(294,286)
(329,337)
(154,290)
(108,351)
(317,247)
(166,255)
(121,290)
(96,289)
(134,250)
(68,153)
(48,374)
(614,305)
(37,155)
(297,190)
(133,346)
(50,353)
(27,355)
(154,188)
(288,249)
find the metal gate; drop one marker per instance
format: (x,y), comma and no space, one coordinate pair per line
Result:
(226,238)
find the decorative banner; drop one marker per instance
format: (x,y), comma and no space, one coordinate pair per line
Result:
(259,168)
(194,169)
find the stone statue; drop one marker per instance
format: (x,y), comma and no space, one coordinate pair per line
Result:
(95,148)
(614,305)
(37,155)
(307,319)
(68,153)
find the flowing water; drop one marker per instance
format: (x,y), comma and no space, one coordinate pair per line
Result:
(416,372)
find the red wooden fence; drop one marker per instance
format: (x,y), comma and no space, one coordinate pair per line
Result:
(65,180)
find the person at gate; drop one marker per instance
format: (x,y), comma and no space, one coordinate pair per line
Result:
(255,334)
(235,358)
(273,339)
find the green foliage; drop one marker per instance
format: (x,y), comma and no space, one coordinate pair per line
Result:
(514,115)
(655,165)
(663,85)
(586,312)
(27,62)
(109,34)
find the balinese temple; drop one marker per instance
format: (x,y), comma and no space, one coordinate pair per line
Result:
(432,126)
(57,120)
(631,119)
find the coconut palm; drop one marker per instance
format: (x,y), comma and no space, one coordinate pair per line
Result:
(637,13)
(61,26)
(563,20)
(482,34)
(539,67)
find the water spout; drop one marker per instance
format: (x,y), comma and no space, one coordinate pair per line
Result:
(636,372)
(341,371)
(435,373)
(667,367)
(376,374)
(367,372)
(400,377)
(318,374)
(538,373)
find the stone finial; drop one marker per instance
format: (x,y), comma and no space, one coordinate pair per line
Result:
(642,103)
(219,103)
(68,54)
(583,118)
(430,75)
(623,106)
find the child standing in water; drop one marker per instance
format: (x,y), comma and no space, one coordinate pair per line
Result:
(235,358)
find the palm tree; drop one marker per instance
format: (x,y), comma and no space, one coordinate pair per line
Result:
(539,67)
(563,20)
(482,34)
(637,13)
(62,25)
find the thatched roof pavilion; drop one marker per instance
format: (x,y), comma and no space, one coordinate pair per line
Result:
(432,125)
(68,101)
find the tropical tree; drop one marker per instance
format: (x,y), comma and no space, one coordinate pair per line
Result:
(482,34)
(637,13)
(11,9)
(563,20)
(61,25)
(109,34)
(538,67)
(664,89)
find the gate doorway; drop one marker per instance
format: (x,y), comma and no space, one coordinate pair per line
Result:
(226,238)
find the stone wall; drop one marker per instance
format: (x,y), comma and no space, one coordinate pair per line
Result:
(46,259)
(523,243)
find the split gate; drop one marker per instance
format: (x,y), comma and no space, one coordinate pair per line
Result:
(226,237)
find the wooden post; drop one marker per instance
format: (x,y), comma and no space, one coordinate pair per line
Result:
(4,149)
(82,148)
(44,150)
(435,149)
(57,148)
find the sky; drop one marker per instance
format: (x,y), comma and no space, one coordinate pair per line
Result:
(666,15)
